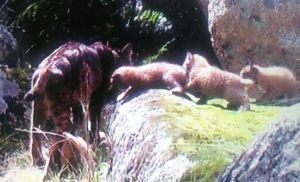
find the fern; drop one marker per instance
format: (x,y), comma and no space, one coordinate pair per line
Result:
(161,50)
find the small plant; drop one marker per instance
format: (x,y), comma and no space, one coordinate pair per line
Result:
(21,75)
(163,49)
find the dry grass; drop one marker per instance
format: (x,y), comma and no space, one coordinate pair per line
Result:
(15,165)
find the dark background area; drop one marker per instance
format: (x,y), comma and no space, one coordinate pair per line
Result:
(158,30)
(162,30)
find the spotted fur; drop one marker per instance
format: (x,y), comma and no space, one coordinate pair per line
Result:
(68,88)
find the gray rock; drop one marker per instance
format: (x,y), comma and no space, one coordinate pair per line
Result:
(7,88)
(267,31)
(8,47)
(142,146)
(158,136)
(274,156)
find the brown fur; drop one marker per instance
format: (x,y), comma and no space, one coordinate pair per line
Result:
(69,153)
(153,75)
(276,81)
(212,81)
(69,83)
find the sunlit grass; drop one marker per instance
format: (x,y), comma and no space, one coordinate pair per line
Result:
(15,166)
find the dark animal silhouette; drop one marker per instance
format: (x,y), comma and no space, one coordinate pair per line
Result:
(68,87)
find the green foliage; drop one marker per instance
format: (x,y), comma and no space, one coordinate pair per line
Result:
(150,17)
(161,50)
(21,75)
(41,25)
(212,135)
(30,12)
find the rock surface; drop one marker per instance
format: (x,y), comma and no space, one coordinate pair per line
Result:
(274,156)
(139,135)
(7,88)
(8,46)
(267,31)
(157,136)
(13,109)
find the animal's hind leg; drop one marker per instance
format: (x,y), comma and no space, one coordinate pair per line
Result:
(178,90)
(176,87)
(95,106)
(293,93)
(77,118)
(203,99)
(193,87)
(172,83)
(38,120)
(238,101)
(269,95)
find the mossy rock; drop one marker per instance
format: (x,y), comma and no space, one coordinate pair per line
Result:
(208,136)
(273,155)
(213,135)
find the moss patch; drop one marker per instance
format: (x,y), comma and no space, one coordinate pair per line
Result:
(213,135)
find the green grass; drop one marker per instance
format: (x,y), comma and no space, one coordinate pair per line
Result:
(212,135)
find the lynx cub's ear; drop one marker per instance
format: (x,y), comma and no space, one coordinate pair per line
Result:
(188,62)
(189,54)
(250,63)
(115,79)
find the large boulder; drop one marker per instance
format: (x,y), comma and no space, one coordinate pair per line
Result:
(266,32)
(8,47)
(157,136)
(274,156)
(14,111)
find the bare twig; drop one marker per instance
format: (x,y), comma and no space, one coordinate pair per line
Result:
(44,133)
